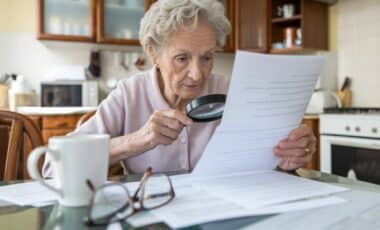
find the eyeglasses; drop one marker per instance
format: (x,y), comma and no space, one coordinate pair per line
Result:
(111,202)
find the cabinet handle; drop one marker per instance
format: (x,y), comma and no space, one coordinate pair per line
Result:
(347,128)
(357,129)
(374,130)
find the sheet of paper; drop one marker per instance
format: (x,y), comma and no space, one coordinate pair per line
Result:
(260,189)
(267,98)
(361,211)
(194,204)
(30,193)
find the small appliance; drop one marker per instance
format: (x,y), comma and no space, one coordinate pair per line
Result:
(65,93)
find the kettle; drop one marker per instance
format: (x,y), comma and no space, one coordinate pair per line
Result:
(323,99)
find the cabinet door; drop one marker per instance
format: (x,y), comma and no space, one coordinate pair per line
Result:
(251,25)
(314,125)
(119,21)
(66,20)
(229,6)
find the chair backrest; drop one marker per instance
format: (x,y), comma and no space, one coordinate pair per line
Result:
(85,117)
(18,136)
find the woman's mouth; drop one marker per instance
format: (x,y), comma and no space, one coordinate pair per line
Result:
(190,86)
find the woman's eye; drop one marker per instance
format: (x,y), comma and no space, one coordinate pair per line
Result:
(207,58)
(181,59)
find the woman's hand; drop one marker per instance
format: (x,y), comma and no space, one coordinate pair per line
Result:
(162,128)
(297,149)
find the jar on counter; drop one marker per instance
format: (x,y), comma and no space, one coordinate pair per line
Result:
(3,96)
(19,94)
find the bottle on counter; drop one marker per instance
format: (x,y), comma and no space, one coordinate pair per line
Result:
(19,93)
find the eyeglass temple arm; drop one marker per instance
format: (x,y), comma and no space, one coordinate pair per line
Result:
(147,173)
(90,185)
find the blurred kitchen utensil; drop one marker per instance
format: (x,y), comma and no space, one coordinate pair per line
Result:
(94,70)
(346,84)
(345,93)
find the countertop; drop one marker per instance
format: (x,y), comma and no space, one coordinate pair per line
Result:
(36,110)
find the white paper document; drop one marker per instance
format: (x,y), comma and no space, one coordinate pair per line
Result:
(267,98)
(30,193)
(200,201)
(361,211)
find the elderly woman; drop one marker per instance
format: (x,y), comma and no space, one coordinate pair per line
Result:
(145,114)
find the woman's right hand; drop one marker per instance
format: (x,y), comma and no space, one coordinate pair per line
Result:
(162,128)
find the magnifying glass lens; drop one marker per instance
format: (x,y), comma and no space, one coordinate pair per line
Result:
(206,108)
(208,111)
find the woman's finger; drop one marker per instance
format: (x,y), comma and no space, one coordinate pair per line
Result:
(165,131)
(165,121)
(299,132)
(177,115)
(302,142)
(297,152)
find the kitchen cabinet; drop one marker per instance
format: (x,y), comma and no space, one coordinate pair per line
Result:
(251,25)
(261,24)
(313,123)
(119,21)
(102,21)
(256,25)
(308,24)
(55,125)
(66,20)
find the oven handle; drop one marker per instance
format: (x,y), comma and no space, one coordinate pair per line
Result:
(353,141)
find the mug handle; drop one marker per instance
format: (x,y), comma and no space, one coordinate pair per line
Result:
(33,169)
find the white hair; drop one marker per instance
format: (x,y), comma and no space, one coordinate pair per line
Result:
(166,16)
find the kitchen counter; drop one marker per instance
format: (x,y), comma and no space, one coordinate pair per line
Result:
(36,110)
(311,116)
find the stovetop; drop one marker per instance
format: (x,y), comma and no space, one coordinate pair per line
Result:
(359,122)
(352,110)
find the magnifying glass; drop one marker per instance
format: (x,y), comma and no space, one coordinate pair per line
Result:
(206,108)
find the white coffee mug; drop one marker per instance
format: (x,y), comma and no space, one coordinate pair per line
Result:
(74,159)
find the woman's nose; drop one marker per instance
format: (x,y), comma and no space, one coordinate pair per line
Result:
(195,71)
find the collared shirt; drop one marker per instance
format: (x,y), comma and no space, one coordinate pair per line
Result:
(129,107)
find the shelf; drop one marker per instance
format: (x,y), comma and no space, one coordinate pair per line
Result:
(295,49)
(284,20)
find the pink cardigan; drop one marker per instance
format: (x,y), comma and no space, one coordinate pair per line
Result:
(127,109)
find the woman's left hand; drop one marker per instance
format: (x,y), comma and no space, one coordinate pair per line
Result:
(297,149)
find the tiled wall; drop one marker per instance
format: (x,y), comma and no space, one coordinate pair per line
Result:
(359,49)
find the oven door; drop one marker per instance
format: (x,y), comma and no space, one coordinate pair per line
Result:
(354,157)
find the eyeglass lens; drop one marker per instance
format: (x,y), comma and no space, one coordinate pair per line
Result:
(156,191)
(110,199)
(114,199)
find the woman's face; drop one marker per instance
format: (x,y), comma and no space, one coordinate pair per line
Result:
(185,63)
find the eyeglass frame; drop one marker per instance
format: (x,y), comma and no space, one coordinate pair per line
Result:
(131,199)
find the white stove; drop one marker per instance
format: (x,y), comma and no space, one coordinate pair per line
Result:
(350,143)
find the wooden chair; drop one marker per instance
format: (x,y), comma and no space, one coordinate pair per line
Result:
(19,135)
(114,170)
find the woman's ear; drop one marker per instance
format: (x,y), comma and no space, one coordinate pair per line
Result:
(152,55)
